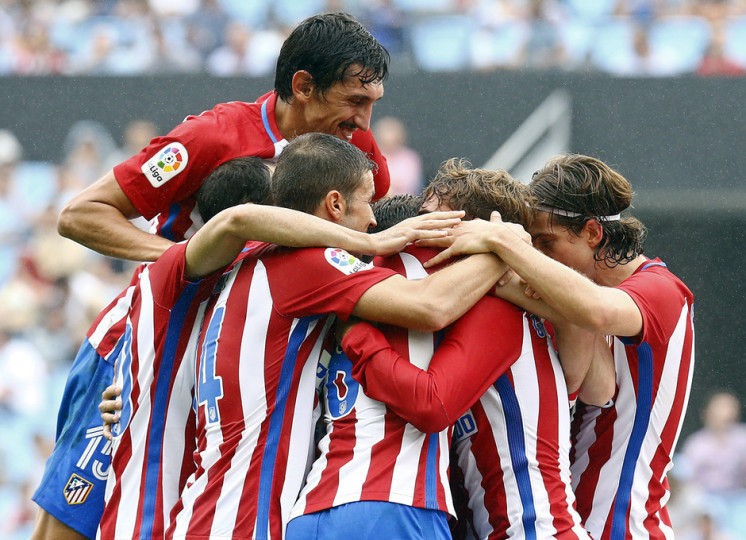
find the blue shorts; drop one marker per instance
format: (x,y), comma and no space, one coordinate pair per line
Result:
(72,488)
(372,520)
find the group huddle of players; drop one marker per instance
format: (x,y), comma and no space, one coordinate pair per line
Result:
(272,382)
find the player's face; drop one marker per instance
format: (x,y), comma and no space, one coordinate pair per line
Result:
(359,215)
(561,244)
(346,107)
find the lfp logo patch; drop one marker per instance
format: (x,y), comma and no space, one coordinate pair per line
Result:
(167,163)
(77,489)
(344,262)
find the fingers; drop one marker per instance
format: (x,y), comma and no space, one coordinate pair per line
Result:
(111,392)
(107,432)
(439,258)
(436,241)
(505,278)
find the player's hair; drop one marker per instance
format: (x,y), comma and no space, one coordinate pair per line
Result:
(395,209)
(330,47)
(479,192)
(238,181)
(586,186)
(314,164)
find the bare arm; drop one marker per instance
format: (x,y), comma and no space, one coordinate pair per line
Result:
(602,310)
(98,218)
(434,302)
(218,243)
(599,384)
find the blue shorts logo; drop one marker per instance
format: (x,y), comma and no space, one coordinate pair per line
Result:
(341,388)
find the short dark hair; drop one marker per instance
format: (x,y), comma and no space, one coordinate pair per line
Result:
(238,181)
(327,46)
(395,209)
(479,192)
(588,187)
(314,164)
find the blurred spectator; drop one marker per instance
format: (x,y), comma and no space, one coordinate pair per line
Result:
(89,151)
(705,528)
(715,62)
(245,52)
(716,454)
(405,164)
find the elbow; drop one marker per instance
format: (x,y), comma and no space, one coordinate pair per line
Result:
(66,222)
(598,395)
(431,422)
(435,316)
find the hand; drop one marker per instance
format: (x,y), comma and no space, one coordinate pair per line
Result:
(426,226)
(110,404)
(476,236)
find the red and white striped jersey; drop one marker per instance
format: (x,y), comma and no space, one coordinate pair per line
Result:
(621,453)
(154,439)
(513,445)
(258,352)
(161,180)
(369,453)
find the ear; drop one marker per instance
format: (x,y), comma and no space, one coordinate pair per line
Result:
(593,231)
(302,85)
(335,205)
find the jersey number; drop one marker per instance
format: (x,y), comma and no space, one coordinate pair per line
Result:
(210,386)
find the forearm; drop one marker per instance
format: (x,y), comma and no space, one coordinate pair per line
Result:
(572,295)
(388,377)
(575,348)
(102,228)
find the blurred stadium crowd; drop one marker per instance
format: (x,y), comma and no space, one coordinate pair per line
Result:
(242,37)
(47,303)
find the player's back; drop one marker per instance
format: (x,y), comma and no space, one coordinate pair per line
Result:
(512,447)
(368,452)
(153,367)
(256,370)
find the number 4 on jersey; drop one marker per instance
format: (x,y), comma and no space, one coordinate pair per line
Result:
(210,386)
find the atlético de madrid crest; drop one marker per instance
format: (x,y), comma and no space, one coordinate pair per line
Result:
(77,489)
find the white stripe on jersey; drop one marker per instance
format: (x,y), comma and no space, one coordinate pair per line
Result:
(117,312)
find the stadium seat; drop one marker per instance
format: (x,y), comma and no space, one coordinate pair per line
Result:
(680,42)
(501,46)
(735,41)
(253,12)
(291,12)
(424,6)
(441,43)
(592,10)
(612,49)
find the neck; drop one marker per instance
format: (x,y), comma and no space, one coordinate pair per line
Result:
(611,277)
(288,119)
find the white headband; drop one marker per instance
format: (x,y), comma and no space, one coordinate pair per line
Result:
(567,213)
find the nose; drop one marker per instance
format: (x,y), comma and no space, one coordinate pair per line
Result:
(363,116)
(372,222)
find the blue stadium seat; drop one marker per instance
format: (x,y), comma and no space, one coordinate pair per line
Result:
(424,6)
(735,41)
(441,43)
(253,12)
(680,42)
(576,36)
(592,10)
(501,46)
(612,48)
(291,12)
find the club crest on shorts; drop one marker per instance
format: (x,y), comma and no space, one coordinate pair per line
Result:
(167,163)
(77,489)
(344,262)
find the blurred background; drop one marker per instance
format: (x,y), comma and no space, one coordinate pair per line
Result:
(653,87)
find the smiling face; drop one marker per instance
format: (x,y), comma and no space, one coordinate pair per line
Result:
(345,107)
(359,214)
